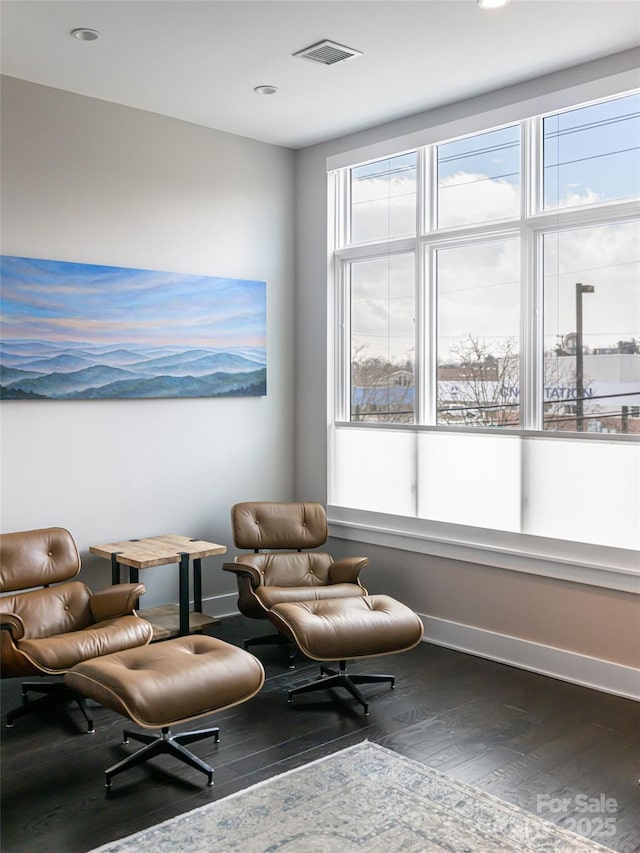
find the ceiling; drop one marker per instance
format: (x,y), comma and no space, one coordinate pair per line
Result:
(200,60)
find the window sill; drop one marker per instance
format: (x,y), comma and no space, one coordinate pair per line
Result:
(595,565)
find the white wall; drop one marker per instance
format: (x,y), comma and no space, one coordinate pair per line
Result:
(91,181)
(590,622)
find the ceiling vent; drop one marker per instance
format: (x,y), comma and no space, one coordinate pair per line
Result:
(328,53)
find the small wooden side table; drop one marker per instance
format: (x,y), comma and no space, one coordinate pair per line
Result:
(168,620)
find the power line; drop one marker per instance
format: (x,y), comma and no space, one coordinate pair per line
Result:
(491,406)
(592,157)
(383,173)
(589,125)
(475,152)
(478,180)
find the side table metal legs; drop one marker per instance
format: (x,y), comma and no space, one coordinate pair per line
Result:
(184,594)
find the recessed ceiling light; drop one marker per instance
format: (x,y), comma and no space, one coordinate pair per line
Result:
(85,34)
(492,4)
(265,90)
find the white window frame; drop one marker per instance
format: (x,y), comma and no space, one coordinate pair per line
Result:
(603,566)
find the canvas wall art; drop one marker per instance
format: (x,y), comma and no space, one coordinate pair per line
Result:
(71,331)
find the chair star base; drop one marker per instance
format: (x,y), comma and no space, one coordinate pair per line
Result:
(55,693)
(338,678)
(274,640)
(164,744)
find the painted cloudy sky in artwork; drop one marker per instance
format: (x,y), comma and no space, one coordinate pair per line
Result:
(83,331)
(58,301)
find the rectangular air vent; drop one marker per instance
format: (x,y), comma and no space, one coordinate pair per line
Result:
(328,53)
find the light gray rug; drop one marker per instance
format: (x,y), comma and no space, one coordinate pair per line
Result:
(365,798)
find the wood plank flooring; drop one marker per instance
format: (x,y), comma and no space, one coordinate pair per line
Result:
(518,735)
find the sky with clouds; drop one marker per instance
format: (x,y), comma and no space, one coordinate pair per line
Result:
(591,155)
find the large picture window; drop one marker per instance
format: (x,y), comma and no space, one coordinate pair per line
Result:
(489,286)
(382,339)
(592,329)
(478,297)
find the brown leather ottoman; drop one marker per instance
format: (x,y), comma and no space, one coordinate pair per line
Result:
(346,628)
(163,684)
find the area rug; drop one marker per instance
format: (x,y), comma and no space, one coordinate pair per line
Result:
(364,798)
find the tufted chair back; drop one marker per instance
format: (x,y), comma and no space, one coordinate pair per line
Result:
(266,524)
(37,558)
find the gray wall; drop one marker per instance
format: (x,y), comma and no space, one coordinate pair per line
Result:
(91,181)
(591,621)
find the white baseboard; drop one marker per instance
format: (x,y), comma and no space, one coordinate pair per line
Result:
(547,660)
(220,606)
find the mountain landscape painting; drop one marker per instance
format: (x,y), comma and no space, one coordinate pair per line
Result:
(71,331)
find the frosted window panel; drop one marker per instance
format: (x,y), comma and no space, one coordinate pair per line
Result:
(586,491)
(375,470)
(470,480)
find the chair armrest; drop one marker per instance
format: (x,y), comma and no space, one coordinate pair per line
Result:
(12,623)
(244,571)
(347,569)
(118,600)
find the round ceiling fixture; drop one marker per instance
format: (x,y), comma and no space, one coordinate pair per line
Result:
(265,90)
(492,4)
(85,34)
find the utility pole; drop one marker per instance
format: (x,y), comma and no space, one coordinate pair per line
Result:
(624,419)
(580,289)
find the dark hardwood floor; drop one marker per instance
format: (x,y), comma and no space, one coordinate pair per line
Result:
(518,735)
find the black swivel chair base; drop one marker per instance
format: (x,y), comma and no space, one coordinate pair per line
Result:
(274,640)
(164,744)
(55,693)
(339,678)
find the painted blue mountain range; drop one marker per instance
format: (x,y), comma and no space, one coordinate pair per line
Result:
(33,370)
(85,331)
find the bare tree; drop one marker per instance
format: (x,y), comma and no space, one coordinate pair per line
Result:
(481,386)
(478,386)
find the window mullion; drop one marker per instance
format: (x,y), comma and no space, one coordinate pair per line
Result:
(425,296)
(431,332)
(420,374)
(339,344)
(421,377)
(424,181)
(531,315)
(342,347)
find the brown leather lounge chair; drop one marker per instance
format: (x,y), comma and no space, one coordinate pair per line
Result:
(47,630)
(284,567)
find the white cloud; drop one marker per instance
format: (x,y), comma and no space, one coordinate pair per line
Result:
(465,198)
